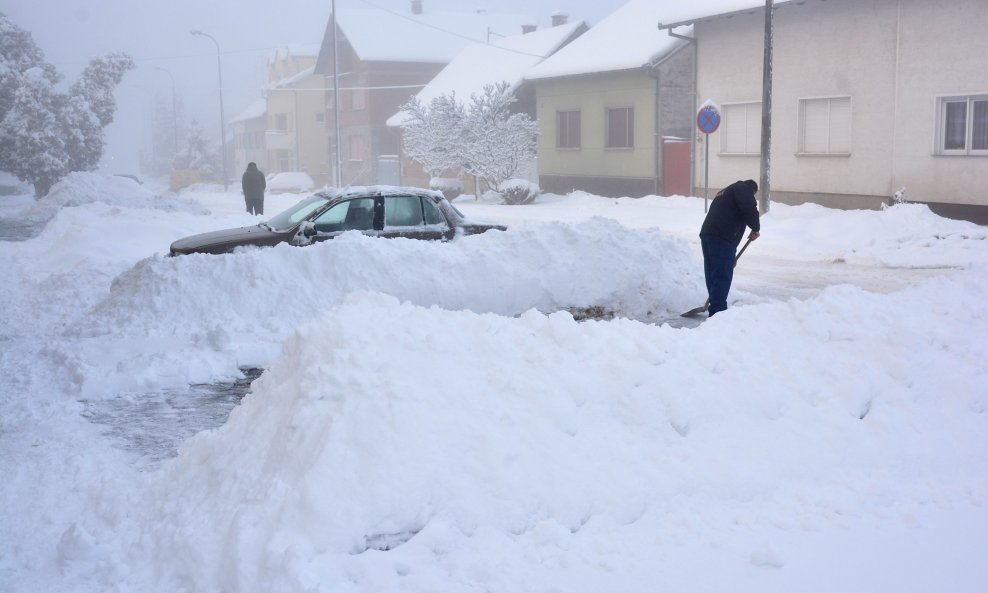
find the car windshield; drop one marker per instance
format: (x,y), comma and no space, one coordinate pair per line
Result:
(295,214)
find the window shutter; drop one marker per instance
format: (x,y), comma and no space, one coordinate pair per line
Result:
(814,127)
(754,131)
(979,138)
(741,128)
(840,125)
(733,129)
(825,126)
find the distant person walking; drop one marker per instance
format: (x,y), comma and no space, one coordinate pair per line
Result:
(253,186)
(733,209)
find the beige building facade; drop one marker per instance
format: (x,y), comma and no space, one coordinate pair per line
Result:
(297,134)
(869,98)
(603,133)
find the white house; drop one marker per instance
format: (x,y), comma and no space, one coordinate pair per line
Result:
(868,97)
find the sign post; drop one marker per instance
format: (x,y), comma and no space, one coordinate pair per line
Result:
(707,121)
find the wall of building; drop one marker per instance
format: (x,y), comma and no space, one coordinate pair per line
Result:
(943,50)
(892,57)
(248,141)
(593,167)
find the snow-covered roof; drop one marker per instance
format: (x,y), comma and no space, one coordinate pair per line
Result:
(381,35)
(253,111)
(685,13)
(627,39)
(287,82)
(506,60)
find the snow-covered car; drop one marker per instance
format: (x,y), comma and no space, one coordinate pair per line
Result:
(290,182)
(379,211)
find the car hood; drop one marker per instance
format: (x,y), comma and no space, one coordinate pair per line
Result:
(227,240)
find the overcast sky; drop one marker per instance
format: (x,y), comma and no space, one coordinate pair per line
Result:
(157,35)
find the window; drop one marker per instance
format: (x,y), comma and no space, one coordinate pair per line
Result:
(402,211)
(432,213)
(567,129)
(281,121)
(962,125)
(320,117)
(621,127)
(352,215)
(741,128)
(825,126)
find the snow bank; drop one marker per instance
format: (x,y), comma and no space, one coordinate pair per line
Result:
(77,189)
(386,426)
(193,318)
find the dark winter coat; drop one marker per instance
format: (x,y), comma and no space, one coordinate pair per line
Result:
(253,183)
(733,209)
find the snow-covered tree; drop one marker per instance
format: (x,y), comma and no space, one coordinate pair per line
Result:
(90,108)
(483,138)
(496,142)
(432,137)
(44,134)
(18,54)
(33,145)
(198,154)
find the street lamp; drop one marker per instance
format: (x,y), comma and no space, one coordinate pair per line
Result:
(219,68)
(174,106)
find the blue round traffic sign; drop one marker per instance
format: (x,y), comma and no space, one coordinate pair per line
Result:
(708,119)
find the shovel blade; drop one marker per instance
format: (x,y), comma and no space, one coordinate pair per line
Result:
(695,311)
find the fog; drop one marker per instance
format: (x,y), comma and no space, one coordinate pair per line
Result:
(157,36)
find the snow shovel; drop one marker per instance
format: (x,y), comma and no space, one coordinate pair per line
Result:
(697,310)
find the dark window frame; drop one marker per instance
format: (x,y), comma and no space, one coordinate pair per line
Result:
(568,129)
(620,129)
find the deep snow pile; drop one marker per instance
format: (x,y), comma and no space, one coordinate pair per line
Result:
(234,311)
(421,426)
(582,454)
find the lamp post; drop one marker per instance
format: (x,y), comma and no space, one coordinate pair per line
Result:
(219,68)
(174,106)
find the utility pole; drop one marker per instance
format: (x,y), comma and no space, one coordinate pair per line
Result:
(765,180)
(336,95)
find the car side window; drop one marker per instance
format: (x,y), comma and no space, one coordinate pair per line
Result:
(432,213)
(403,211)
(352,215)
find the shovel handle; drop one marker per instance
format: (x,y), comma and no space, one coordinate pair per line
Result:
(738,256)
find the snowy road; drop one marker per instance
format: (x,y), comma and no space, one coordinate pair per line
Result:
(779,278)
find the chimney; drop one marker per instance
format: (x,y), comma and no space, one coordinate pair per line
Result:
(559,18)
(416,6)
(527,29)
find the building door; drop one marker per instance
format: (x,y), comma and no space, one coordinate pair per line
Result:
(676,167)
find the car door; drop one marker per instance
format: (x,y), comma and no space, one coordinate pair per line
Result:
(414,217)
(357,214)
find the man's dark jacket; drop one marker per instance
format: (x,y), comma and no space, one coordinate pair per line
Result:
(733,209)
(253,183)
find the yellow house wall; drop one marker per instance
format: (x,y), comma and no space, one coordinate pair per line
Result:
(592,97)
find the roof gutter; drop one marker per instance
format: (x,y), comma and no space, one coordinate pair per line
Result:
(696,107)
